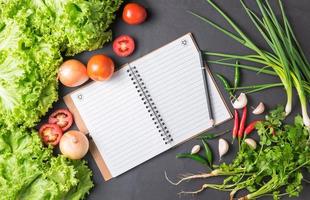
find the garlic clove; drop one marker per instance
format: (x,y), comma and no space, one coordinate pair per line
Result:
(223,147)
(259,109)
(251,143)
(195,149)
(240,102)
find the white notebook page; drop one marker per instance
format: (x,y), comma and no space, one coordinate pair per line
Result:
(118,122)
(174,79)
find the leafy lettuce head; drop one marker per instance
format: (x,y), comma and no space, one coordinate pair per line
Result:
(33,36)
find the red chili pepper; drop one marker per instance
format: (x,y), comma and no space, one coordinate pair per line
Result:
(251,127)
(242,122)
(236,125)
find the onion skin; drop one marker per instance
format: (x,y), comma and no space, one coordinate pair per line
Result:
(74,145)
(72,73)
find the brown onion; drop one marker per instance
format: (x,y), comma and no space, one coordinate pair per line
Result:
(74,145)
(72,73)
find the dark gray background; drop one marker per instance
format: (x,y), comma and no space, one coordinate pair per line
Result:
(168,20)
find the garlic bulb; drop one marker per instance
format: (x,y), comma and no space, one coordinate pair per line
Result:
(259,109)
(240,102)
(195,149)
(251,143)
(223,147)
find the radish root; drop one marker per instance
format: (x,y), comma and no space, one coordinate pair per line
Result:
(189,177)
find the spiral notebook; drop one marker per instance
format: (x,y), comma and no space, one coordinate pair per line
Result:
(147,107)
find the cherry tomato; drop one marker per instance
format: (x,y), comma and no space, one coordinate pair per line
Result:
(134,14)
(62,117)
(100,67)
(123,45)
(50,134)
(72,73)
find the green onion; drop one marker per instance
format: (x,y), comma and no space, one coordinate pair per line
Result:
(284,57)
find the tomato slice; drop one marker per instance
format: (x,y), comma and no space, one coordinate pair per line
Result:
(50,134)
(123,45)
(62,117)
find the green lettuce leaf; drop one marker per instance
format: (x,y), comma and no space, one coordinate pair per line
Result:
(85,183)
(28,68)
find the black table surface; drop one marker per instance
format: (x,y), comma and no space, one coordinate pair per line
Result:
(167,21)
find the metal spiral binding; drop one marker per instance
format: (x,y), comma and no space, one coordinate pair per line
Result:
(149,104)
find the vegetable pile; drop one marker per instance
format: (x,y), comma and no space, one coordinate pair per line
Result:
(33,34)
(29,171)
(284,58)
(275,165)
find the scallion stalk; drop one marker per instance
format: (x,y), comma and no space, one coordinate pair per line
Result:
(284,57)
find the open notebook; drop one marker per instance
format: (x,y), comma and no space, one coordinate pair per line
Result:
(147,107)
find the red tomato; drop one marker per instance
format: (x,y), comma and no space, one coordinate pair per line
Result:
(50,134)
(100,67)
(134,14)
(62,117)
(123,45)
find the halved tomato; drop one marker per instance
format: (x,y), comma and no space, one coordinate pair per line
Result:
(62,117)
(123,45)
(50,134)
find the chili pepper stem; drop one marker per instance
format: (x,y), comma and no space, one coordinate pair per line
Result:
(233,140)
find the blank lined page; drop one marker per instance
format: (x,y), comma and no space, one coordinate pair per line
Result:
(118,122)
(173,76)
